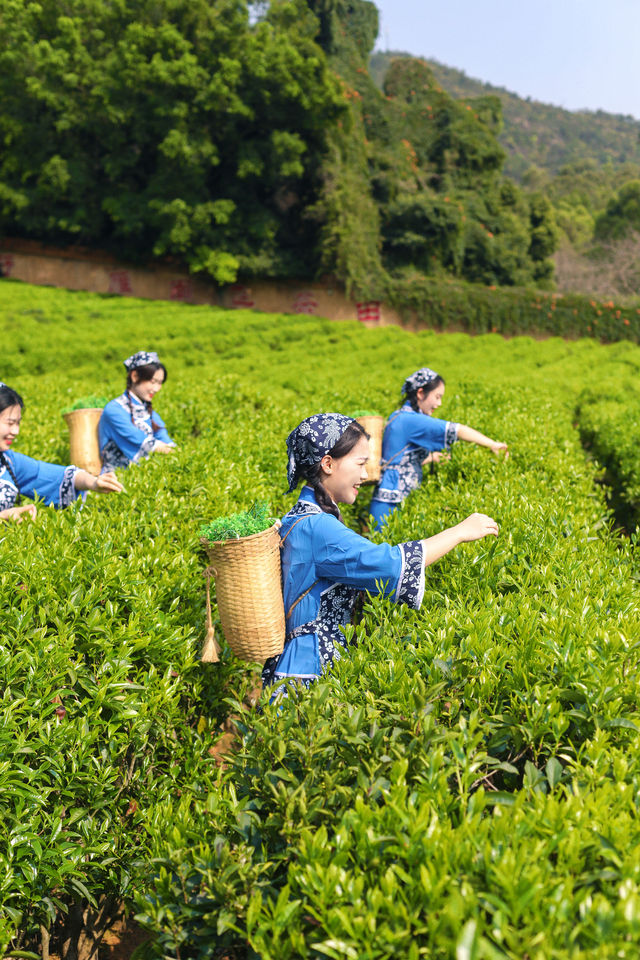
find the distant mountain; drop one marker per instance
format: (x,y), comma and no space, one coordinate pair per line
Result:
(537,134)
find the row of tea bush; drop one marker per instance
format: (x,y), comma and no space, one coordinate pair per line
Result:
(466,781)
(608,414)
(466,784)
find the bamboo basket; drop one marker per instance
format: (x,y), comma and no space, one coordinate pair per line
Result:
(248,593)
(83,438)
(375,428)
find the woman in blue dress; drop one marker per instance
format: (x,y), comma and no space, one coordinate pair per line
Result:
(325,564)
(22,475)
(129,427)
(413,437)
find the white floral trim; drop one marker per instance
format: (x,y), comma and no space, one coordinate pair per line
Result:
(411,583)
(8,493)
(67,492)
(145,449)
(296,676)
(388,496)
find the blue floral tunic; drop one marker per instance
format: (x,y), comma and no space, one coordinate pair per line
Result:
(409,437)
(122,441)
(35,478)
(324,567)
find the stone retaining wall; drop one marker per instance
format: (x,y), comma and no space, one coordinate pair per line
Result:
(77,268)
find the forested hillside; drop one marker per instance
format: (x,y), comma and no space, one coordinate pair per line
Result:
(586,163)
(539,134)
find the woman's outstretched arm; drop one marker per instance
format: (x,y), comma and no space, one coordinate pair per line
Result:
(474,436)
(475,527)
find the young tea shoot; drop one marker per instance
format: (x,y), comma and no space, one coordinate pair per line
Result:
(238,525)
(85,403)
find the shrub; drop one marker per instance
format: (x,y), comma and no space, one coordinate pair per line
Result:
(465,780)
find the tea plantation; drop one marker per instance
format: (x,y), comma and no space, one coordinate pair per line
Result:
(465,785)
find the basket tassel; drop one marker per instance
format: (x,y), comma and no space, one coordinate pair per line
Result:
(211,650)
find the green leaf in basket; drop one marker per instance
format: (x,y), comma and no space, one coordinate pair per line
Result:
(85,402)
(237,525)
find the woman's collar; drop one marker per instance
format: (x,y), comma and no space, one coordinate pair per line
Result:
(307,493)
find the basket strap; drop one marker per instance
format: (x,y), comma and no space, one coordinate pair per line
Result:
(384,464)
(301,597)
(282,540)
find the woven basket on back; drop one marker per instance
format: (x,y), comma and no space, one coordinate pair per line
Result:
(375,428)
(83,438)
(248,593)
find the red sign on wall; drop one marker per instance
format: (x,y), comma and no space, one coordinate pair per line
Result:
(181,290)
(305,302)
(119,282)
(369,311)
(241,297)
(6,264)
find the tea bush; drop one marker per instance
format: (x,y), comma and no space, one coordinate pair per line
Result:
(608,414)
(465,783)
(432,792)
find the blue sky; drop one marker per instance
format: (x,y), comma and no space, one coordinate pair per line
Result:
(572,53)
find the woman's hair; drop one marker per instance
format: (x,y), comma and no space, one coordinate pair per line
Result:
(412,395)
(9,398)
(345,445)
(146,371)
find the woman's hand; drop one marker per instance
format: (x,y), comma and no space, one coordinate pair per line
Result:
(498,447)
(16,513)
(477,526)
(107,483)
(161,447)
(436,456)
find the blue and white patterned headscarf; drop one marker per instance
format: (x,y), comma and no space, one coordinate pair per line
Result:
(4,385)
(421,378)
(141,359)
(311,441)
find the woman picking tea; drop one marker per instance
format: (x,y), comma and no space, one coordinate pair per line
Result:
(325,564)
(22,475)
(413,437)
(130,429)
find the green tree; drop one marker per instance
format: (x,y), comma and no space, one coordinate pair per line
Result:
(166,127)
(445,206)
(622,214)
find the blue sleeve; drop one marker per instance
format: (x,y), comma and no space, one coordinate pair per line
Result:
(115,424)
(161,434)
(432,433)
(343,556)
(47,481)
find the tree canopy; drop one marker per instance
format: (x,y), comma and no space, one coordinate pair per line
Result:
(248,143)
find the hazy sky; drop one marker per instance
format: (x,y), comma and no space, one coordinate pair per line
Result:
(572,53)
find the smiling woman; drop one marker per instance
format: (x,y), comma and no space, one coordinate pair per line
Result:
(129,427)
(55,485)
(325,565)
(413,437)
